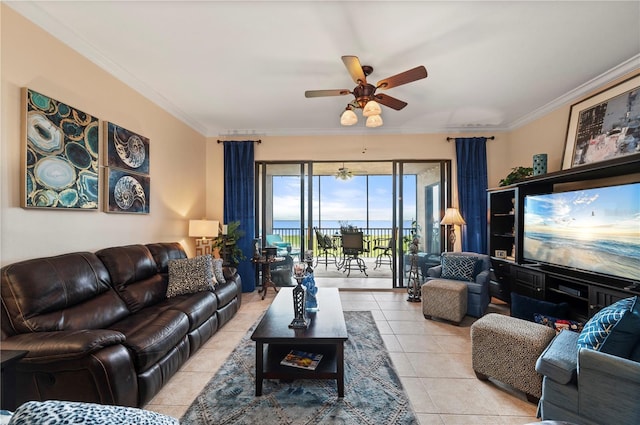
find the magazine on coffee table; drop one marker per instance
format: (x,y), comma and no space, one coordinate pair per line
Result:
(302,359)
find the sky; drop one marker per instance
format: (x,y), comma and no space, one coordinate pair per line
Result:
(343,200)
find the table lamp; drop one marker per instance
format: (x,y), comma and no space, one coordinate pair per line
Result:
(452,218)
(203,230)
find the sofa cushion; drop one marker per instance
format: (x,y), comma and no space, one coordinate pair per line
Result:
(558,324)
(458,267)
(134,275)
(524,307)
(559,361)
(198,307)
(190,275)
(226,293)
(163,252)
(614,330)
(151,333)
(65,292)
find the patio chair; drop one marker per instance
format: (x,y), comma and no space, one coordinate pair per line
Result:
(384,246)
(326,248)
(284,248)
(352,247)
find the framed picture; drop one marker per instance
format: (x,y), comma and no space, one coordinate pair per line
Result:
(127,192)
(605,126)
(125,149)
(501,253)
(61,150)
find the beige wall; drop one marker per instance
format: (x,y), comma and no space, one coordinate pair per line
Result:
(32,58)
(186,168)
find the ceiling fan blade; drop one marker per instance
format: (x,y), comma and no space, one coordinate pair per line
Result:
(409,76)
(355,69)
(322,93)
(389,101)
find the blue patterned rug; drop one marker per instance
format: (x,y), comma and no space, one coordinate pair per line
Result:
(373,392)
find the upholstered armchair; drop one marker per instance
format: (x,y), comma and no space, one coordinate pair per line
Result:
(471,269)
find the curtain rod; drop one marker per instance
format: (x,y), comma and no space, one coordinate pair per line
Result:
(488,138)
(254,141)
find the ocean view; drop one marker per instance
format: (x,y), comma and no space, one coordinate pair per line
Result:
(335,224)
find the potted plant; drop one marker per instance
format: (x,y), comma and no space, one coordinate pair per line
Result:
(227,245)
(517,174)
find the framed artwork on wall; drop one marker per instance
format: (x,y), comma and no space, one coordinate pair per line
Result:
(125,149)
(61,155)
(605,126)
(127,192)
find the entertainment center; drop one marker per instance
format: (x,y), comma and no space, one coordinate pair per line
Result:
(540,255)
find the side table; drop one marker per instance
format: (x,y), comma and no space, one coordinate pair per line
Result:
(265,262)
(8,377)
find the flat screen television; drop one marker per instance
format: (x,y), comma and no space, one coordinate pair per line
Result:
(592,230)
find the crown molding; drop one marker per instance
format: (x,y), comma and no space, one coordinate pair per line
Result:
(625,68)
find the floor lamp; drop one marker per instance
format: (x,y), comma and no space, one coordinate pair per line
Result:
(452,218)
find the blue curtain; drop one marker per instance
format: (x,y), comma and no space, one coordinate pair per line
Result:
(238,202)
(471,154)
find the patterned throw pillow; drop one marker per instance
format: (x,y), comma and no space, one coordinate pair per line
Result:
(53,412)
(458,267)
(217,271)
(614,329)
(558,324)
(190,275)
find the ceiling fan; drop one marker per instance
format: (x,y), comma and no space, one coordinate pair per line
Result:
(365,96)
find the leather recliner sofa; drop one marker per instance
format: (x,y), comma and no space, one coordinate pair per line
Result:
(99,328)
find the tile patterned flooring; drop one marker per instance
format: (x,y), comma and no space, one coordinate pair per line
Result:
(432,358)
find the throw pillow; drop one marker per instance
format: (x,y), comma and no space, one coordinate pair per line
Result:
(613,330)
(217,271)
(524,307)
(458,267)
(558,324)
(190,275)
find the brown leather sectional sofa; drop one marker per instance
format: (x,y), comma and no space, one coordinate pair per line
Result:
(98,326)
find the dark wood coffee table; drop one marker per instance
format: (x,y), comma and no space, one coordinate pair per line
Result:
(326,335)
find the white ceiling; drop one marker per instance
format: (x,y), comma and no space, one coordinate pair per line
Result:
(240,67)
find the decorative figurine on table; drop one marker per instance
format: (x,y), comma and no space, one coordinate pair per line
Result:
(308,258)
(299,321)
(311,302)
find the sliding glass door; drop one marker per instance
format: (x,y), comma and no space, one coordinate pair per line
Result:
(389,201)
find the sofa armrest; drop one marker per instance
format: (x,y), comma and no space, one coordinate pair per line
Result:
(434,272)
(608,388)
(46,347)
(482,278)
(559,361)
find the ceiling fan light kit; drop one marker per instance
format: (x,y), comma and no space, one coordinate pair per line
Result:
(371,108)
(348,117)
(365,93)
(374,121)
(343,172)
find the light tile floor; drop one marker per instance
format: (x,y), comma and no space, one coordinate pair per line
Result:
(432,358)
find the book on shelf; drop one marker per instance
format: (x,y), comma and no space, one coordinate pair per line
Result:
(302,360)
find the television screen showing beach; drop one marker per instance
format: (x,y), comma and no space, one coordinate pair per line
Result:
(595,230)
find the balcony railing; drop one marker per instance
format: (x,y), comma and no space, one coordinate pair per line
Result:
(371,235)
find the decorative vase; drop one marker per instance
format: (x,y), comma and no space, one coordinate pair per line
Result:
(311,301)
(299,320)
(539,164)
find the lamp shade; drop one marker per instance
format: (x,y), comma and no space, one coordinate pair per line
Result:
(374,121)
(371,108)
(348,117)
(203,228)
(452,218)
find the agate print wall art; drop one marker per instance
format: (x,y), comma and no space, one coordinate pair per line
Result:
(61,155)
(127,192)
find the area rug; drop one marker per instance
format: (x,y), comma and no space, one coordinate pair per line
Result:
(373,392)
